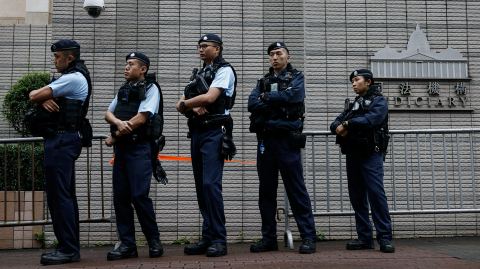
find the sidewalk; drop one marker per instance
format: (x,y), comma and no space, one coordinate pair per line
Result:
(456,252)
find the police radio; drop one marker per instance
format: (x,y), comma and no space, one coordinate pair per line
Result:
(347,104)
(194,74)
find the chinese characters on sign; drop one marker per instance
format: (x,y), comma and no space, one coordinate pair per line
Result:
(433,88)
(460,88)
(405,88)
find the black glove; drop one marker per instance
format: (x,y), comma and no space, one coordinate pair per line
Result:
(159,173)
(228,147)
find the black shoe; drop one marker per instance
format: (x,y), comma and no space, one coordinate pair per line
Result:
(307,247)
(197,249)
(387,247)
(123,252)
(48,252)
(155,248)
(217,250)
(264,246)
(57,257)
(359,244)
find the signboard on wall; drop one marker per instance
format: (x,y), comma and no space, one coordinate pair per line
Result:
(420,79)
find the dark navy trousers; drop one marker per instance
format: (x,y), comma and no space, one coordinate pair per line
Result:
(61,151)
(279,156)
(208,170)
(365,181)
(132,174)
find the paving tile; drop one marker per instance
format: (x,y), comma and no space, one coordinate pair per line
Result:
(423,253)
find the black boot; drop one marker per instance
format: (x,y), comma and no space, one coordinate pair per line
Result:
(155,248)
(123,252)
(359,244)
(217,250)
(307,247)
(387,247)
(197,249)
(57,257)
(264,245)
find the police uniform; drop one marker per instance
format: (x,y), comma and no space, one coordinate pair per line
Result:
(365,145)
(132,167)
(207,133)
(277,119)
(63,145)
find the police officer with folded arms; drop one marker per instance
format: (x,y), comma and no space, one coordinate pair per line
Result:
(206,103)
(277,107)
(362,132)
(135,125)
(61,109)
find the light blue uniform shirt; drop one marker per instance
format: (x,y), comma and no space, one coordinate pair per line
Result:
(149,104)
(71,86)
(224,79)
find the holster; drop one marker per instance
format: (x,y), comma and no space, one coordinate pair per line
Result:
(297,140)
(154,126)
(87,133)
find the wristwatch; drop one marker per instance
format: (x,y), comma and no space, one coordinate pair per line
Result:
(114,134)
(182,103)
(344,124)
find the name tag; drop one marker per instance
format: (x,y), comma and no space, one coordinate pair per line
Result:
(274,87)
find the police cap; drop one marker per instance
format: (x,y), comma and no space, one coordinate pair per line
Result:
(64,44)
(211,38)
(139,56)
(365,73)
(277,45)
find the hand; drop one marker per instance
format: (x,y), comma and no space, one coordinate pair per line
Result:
(110,141)
(200,110)
(260,96)
(341,131)
(50,105)
(124,127)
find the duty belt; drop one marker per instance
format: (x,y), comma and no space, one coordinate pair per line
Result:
(208,122)
(66,128)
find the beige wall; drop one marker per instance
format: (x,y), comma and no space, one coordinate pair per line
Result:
(37,12)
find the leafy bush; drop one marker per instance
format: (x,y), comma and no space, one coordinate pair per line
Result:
(17,103)
(25,167)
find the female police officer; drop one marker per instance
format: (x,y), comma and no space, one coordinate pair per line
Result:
(361,133)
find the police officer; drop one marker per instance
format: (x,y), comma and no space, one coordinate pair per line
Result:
(277,107)
(206,102)
(362,133)
(64,103)
(130,115)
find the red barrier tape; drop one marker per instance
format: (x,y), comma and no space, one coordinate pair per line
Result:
(181,159)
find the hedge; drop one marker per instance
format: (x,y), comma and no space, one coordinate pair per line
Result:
(25,167)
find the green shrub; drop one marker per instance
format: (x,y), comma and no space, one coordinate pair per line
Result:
(25,167)
(17,103)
